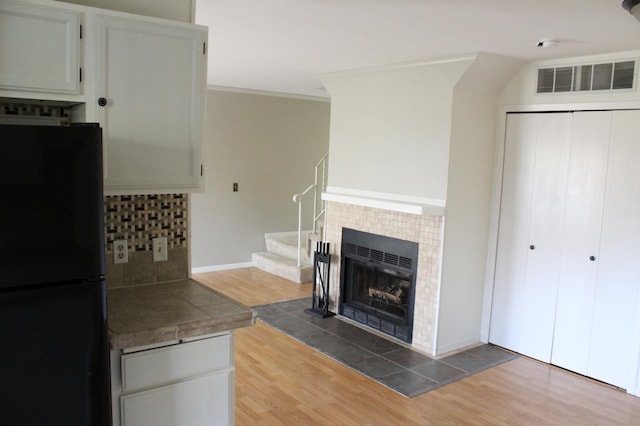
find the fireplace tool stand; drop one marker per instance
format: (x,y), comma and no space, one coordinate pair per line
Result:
(320,299)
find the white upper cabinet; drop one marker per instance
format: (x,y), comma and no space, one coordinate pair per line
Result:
(143,80)
(39,49)
(150,95)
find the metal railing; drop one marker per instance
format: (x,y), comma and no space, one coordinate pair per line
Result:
(319,186)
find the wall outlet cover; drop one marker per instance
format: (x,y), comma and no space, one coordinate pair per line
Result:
(120,251)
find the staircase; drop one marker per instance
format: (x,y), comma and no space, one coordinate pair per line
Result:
(281,257)
(290,254)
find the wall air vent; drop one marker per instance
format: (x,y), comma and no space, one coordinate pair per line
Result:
(588,77)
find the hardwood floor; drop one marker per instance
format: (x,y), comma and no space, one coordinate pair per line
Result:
(253,287)
(281,381)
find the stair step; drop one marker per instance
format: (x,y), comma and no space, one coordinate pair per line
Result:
(282,266)
(286,244)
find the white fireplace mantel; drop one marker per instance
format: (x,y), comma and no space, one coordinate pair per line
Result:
(394,202)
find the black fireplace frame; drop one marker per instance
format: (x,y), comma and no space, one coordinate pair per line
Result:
(386,255)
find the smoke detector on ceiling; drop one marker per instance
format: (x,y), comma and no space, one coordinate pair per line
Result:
(633,6)
(546,44)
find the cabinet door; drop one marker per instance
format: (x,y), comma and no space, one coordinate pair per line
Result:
(613,354)
(151,76)
(201,401)
(39,48)
(529,243)
(581,240)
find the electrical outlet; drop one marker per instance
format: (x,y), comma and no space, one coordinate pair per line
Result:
(160,249)
(120,251)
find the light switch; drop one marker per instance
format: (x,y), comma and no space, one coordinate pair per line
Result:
(160,249)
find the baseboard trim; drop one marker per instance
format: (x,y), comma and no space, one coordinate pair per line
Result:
(214,268)
(457,346)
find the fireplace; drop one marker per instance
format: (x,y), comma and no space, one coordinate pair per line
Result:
(377,283)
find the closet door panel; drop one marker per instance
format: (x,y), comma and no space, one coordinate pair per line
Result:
(513,237)
(532,209)
(545,234)
(613,353)
(581,239)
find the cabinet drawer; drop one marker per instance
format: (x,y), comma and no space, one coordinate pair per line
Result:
(171,363)
(205,400)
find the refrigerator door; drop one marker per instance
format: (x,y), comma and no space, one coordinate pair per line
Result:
(54,361)
(51,211)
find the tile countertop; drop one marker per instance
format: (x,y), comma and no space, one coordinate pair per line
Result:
(170,311)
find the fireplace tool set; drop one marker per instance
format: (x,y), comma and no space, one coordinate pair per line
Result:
(320,299)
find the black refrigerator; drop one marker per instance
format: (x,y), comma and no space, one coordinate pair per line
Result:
(54,352)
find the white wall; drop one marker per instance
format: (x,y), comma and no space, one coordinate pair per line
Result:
(467,219)
(469,192)
(269,145)
(390,128)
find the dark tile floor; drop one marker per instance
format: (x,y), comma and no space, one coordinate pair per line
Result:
(407,372)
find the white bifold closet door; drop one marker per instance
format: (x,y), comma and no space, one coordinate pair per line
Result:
(581,239)
(529,242)
(615,332)
(567,278)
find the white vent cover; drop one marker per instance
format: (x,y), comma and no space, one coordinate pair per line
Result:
(589,77)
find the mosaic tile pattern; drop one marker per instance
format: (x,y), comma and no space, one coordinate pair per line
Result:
(11,108)
(425,230)
(140,218)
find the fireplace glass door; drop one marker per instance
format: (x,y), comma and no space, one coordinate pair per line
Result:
(380,291)
(377,282)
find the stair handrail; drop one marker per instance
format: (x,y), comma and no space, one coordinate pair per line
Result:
(320,182)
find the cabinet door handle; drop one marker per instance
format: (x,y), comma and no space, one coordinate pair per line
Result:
(532,247)
(102,101)
(592,258)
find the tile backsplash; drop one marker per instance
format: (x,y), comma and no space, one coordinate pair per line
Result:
(138,219)
(22,111)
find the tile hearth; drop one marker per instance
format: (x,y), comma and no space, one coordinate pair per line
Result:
(397,367)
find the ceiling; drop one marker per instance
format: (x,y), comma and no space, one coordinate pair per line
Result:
(286,45)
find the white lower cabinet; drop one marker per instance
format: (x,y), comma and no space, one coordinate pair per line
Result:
(567,280)
(199,401)
(186,384)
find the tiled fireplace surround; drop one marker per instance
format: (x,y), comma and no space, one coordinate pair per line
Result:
(426,230)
